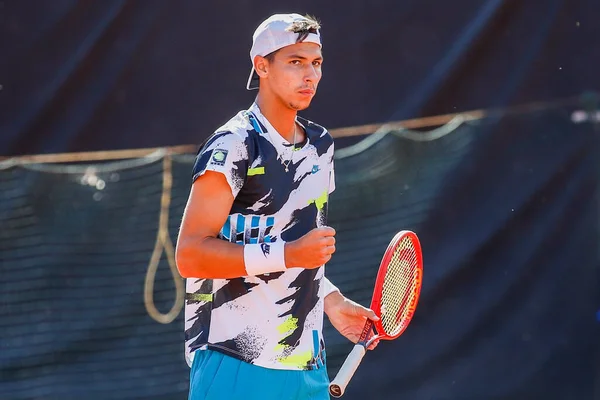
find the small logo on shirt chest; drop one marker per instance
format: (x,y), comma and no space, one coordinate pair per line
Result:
(315,169)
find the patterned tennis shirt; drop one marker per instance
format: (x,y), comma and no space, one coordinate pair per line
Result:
(272,320)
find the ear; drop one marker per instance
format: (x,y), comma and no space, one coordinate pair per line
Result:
(261,66)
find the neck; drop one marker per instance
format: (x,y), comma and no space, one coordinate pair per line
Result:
(282,118)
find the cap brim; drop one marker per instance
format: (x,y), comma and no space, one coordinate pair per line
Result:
(253,80)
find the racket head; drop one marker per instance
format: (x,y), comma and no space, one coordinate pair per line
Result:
(398,285)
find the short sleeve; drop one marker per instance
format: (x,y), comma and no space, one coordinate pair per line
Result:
(227,154)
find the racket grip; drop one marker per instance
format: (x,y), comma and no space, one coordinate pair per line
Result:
(337,387)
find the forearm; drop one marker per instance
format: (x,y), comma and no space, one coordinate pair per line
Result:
(210,258)
(202,255)
(214,258)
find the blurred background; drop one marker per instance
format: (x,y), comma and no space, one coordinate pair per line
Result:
(472,123)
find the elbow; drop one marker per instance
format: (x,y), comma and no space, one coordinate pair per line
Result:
(188,260)
(181,260)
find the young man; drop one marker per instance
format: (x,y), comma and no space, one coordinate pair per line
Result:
(254,241)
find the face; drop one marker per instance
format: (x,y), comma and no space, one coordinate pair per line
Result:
(293,74)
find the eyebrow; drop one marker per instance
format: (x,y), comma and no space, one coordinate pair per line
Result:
(298,56)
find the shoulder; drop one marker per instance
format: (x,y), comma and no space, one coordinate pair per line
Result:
(235,133)
(319,136)
(238,126)
(316,131)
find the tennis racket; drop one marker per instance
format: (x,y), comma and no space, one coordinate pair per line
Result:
(394,301)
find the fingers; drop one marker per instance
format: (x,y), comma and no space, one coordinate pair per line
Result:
(326,254)
(374,344)
(371,315)
(366,312)
(317,247)
(325,231)
(328,240)
(328,244)
(321,257)
(329,250)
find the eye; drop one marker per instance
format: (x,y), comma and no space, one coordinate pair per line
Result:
(295,62)
(317,63)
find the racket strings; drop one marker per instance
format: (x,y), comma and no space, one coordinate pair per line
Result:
(399,287)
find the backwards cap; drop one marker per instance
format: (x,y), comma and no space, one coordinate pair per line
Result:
(276,32)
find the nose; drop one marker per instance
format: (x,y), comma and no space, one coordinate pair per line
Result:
(311,74)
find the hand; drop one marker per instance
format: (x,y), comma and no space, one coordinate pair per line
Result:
(348,317)
(312,250)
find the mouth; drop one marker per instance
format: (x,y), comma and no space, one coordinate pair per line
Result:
(307,92)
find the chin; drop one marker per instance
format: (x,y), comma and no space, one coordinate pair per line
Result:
(299,105)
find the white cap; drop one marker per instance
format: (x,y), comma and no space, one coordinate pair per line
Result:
(273,34)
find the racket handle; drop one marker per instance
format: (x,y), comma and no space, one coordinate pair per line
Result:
(338,385)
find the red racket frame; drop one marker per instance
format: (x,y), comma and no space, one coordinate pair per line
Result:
(378,290)
(338,385)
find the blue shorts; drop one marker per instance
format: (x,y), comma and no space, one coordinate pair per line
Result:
(216,376)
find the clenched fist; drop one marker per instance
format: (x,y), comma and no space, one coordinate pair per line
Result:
(312,250)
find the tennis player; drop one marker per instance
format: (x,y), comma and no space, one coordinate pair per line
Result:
(254,241)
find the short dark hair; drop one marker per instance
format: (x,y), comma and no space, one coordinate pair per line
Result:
(271,56)
(303,28)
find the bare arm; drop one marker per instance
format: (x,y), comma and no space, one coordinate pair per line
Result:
(200,254)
